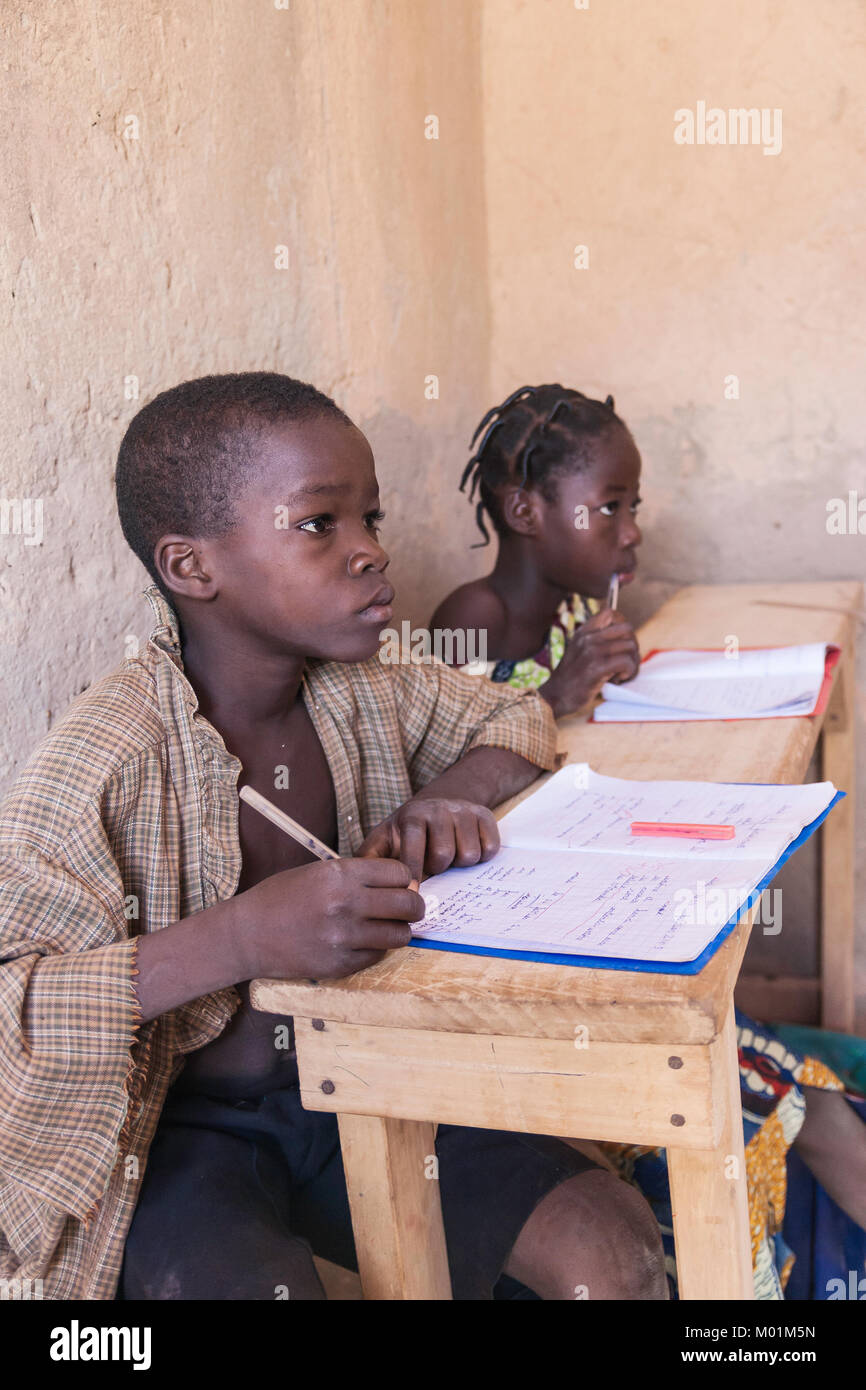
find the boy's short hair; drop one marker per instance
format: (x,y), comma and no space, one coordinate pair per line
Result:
(188,453)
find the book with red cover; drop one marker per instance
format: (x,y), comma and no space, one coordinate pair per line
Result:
(820,706)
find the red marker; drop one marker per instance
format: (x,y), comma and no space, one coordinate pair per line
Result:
(682,830)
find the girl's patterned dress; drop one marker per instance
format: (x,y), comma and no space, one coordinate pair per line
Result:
(771,1074)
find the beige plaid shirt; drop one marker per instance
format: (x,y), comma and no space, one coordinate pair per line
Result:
(124,821)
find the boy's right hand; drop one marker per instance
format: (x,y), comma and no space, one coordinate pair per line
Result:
(603,648)
(326,920)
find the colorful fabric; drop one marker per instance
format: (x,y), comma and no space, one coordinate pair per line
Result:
(533,671)
(843,1053)
(774,1107)
(771,1074)
(124,821)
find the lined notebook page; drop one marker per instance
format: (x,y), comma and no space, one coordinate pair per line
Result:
(588,904)
(580,809)
(710,685)
(570,877)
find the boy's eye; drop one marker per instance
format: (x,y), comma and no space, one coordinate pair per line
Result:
(635,504)
(321,523)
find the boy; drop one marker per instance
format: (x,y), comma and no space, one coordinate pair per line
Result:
(153,1144)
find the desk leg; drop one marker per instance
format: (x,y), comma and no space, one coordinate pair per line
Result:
(709,1196)
(837,857)
(396,1213)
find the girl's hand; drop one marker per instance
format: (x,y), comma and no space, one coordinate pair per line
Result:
(602,649)
(430,835)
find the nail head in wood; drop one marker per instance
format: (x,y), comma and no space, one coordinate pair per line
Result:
(675,1119)
(674,1062)
(319,1025)
(328,1087)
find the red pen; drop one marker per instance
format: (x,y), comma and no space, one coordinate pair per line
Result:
(683,830)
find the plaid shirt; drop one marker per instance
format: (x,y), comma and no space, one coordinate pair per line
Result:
(124,821)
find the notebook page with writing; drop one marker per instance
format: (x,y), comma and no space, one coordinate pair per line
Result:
(580,809)
(571,879)
(694,684)
(589,904)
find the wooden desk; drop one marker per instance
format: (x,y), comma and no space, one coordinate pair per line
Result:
(431,1037)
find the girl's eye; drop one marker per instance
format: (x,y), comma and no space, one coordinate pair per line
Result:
(374,520)
(611,508)
(321,523)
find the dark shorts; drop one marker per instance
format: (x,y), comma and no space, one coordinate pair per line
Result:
(239,1190)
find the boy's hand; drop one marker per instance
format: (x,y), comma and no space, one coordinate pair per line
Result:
(430,834)
(604,648)
(326,920)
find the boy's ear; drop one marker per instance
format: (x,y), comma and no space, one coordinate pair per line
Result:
(520,511)
(183,567)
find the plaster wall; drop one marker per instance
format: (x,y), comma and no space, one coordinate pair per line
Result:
(153,159)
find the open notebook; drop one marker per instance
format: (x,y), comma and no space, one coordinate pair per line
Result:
(767,683)
(572,884)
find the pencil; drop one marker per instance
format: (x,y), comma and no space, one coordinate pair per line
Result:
(291,827)
(613,592)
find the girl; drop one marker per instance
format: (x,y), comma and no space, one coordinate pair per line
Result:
(557,475)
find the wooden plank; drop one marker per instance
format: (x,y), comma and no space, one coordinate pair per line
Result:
(758,615)
(837,859)
(396,1212)
(598,1090)
(709,1196)
(464,994)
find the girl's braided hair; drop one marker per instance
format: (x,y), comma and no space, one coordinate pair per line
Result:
(534,434)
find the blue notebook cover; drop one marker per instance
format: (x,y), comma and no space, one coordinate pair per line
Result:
(688,967)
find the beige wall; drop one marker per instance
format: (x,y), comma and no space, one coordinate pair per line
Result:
(409,257)
(704,261)
(154,257)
